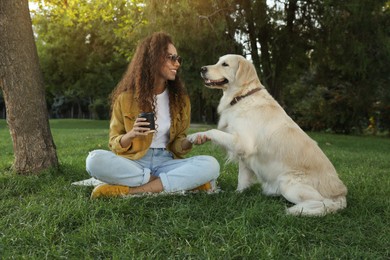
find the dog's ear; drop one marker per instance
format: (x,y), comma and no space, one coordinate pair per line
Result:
(246,72)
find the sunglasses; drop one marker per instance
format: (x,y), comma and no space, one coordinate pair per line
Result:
(173,58)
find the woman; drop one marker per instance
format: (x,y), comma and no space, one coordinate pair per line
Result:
(142,160)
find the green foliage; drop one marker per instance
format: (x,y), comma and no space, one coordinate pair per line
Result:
(332,55)
(99,108)
(84,46)
(46,217)
(305,104)
(351,60)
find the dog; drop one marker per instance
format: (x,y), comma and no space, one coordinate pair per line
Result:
(269,146)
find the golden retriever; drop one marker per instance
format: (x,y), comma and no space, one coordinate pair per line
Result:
(269,146)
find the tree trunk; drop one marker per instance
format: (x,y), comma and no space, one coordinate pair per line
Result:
(264,36)
(284,54)
(22,84)
(247,6)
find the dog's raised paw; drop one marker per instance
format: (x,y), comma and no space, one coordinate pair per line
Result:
(192,137)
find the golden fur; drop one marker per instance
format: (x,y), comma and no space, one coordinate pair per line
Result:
(269,146)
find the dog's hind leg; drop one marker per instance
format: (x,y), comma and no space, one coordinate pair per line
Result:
(309,201)
(246,177)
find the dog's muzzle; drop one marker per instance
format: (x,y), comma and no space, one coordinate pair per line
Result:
(208,82)
(203,71)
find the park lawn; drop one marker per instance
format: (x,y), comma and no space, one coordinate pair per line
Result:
(46,217)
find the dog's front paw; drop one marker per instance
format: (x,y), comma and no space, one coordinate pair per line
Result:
(193,137)
(197,138)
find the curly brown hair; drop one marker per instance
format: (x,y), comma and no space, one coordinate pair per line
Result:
(139,77)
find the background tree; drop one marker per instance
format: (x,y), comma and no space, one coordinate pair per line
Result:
(84,47)
(349,67)
(23,90)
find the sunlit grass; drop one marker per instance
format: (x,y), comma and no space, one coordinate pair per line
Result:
(46,217)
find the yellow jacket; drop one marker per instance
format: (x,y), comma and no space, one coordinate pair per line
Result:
(124,113)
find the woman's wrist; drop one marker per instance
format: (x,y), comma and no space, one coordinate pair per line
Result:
(126,140)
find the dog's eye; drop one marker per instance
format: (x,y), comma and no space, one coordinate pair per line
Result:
(225,64)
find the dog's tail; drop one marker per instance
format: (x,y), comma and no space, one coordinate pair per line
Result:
(318,208)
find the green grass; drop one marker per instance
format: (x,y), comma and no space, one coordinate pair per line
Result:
(45,217)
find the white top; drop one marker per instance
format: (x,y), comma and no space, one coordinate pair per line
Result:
(163,121)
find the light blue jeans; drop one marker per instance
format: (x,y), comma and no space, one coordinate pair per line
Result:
(175,174)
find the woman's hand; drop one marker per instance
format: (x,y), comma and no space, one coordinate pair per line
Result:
(198,138)
(140,128)
(201,139)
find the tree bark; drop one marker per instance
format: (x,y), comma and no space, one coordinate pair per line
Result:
(247,6)
(264,37)
(22,84)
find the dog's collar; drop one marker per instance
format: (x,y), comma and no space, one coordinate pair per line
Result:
(238,98)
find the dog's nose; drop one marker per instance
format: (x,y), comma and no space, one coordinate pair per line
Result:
(203,69)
